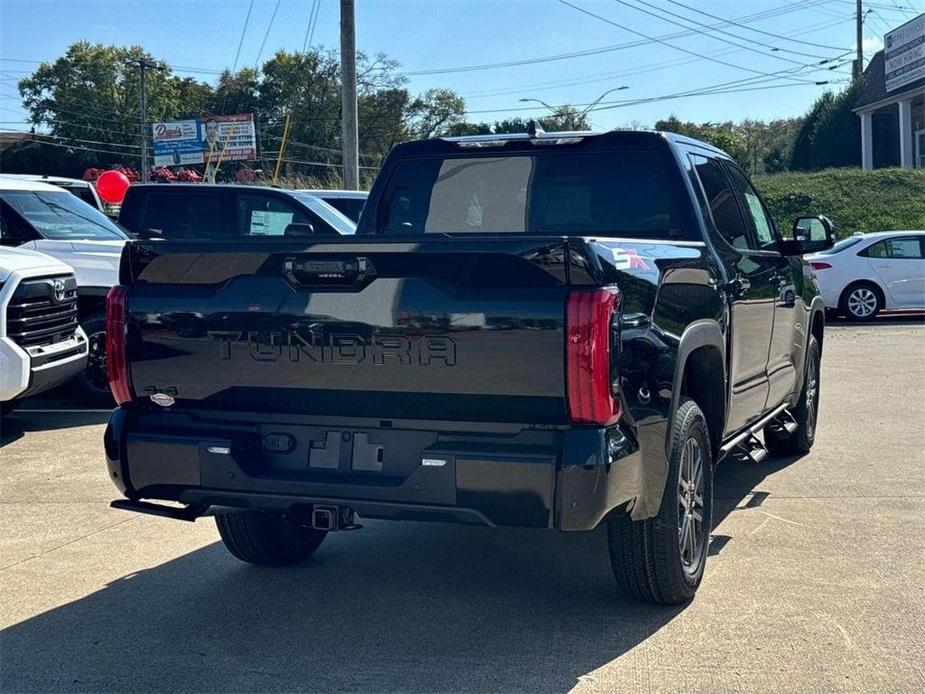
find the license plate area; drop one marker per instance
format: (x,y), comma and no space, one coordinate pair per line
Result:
(379,456)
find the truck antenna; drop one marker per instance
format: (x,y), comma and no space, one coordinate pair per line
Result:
(535,128)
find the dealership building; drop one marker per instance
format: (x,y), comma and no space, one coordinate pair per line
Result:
(892,105)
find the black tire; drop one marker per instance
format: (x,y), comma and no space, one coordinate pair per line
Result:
(93,382)
(646,555)
(268,539)
(780,443)
(861,301)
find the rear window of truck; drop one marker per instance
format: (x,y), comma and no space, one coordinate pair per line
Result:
(602,193)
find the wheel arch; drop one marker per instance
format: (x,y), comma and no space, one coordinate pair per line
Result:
(855,283)
(700,374)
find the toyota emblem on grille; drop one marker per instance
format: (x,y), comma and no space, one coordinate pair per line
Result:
(59,291)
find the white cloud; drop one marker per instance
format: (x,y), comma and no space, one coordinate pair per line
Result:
(872,44)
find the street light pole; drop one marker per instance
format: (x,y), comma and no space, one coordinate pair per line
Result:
(599,99)
(143,65)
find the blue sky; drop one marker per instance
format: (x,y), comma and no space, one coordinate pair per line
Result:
(200,38)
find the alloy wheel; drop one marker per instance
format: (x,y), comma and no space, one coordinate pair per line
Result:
(812,395)
(690,506)
(862,302)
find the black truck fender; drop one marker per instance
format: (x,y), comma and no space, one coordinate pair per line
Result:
(710,393)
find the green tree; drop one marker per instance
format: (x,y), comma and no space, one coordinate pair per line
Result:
(836,139)
(435,112)
(565,118)
(90,98)
(725,136)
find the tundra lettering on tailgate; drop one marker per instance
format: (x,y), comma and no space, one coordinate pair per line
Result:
(338,348)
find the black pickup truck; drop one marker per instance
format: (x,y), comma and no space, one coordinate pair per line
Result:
(551,330)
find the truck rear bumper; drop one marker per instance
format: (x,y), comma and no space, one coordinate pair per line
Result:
(568,479)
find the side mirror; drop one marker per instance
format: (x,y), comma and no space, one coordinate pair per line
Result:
(810,235)
(299,229)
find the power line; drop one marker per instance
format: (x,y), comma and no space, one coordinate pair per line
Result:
(756,16)
(310,29)
(666,43)
(604,76)
(721,31)
(782,74)
(759,31)
(247,21)
(266,34)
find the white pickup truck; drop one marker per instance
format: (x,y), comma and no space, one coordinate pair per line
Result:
(46,218)
(41,343)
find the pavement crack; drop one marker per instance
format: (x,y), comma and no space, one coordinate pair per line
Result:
(65,544)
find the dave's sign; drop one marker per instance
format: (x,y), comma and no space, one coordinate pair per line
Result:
(177,143)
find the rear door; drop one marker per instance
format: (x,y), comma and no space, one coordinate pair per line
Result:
(752,293)
(899,266)
(778,274)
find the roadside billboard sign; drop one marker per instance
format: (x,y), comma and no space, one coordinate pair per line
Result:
(904,53)
(229,138)
(177,143)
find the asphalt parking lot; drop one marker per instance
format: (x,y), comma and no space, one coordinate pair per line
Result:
(814,583)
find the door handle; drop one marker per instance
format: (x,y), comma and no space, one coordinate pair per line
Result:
(738,286)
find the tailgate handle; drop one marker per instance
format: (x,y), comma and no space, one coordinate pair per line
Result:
(328,271)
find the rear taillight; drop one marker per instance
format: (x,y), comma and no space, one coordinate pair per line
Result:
(115,344)
(589,374)
(820,266)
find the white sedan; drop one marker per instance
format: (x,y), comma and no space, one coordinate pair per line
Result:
(866,273)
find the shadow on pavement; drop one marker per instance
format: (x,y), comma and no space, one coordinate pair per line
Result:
(16,425)
(397,606)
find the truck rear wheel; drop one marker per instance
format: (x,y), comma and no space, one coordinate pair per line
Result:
(269,539)
(661,559)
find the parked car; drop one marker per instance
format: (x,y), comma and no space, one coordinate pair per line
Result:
(41,343)
(85,190)
(550,330)
(347,202)
(867,273)
(43,217)
(200,211)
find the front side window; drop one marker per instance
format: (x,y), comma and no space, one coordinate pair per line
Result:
(266,215)
(60,216)
(606,193)
(754,211)
(721,199)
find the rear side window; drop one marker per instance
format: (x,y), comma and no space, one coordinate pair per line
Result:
(182,216)
(727,217)
(605,193)
(905,247)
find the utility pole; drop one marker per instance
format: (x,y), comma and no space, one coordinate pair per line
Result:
(348,74)
(143,65)
(859,40)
